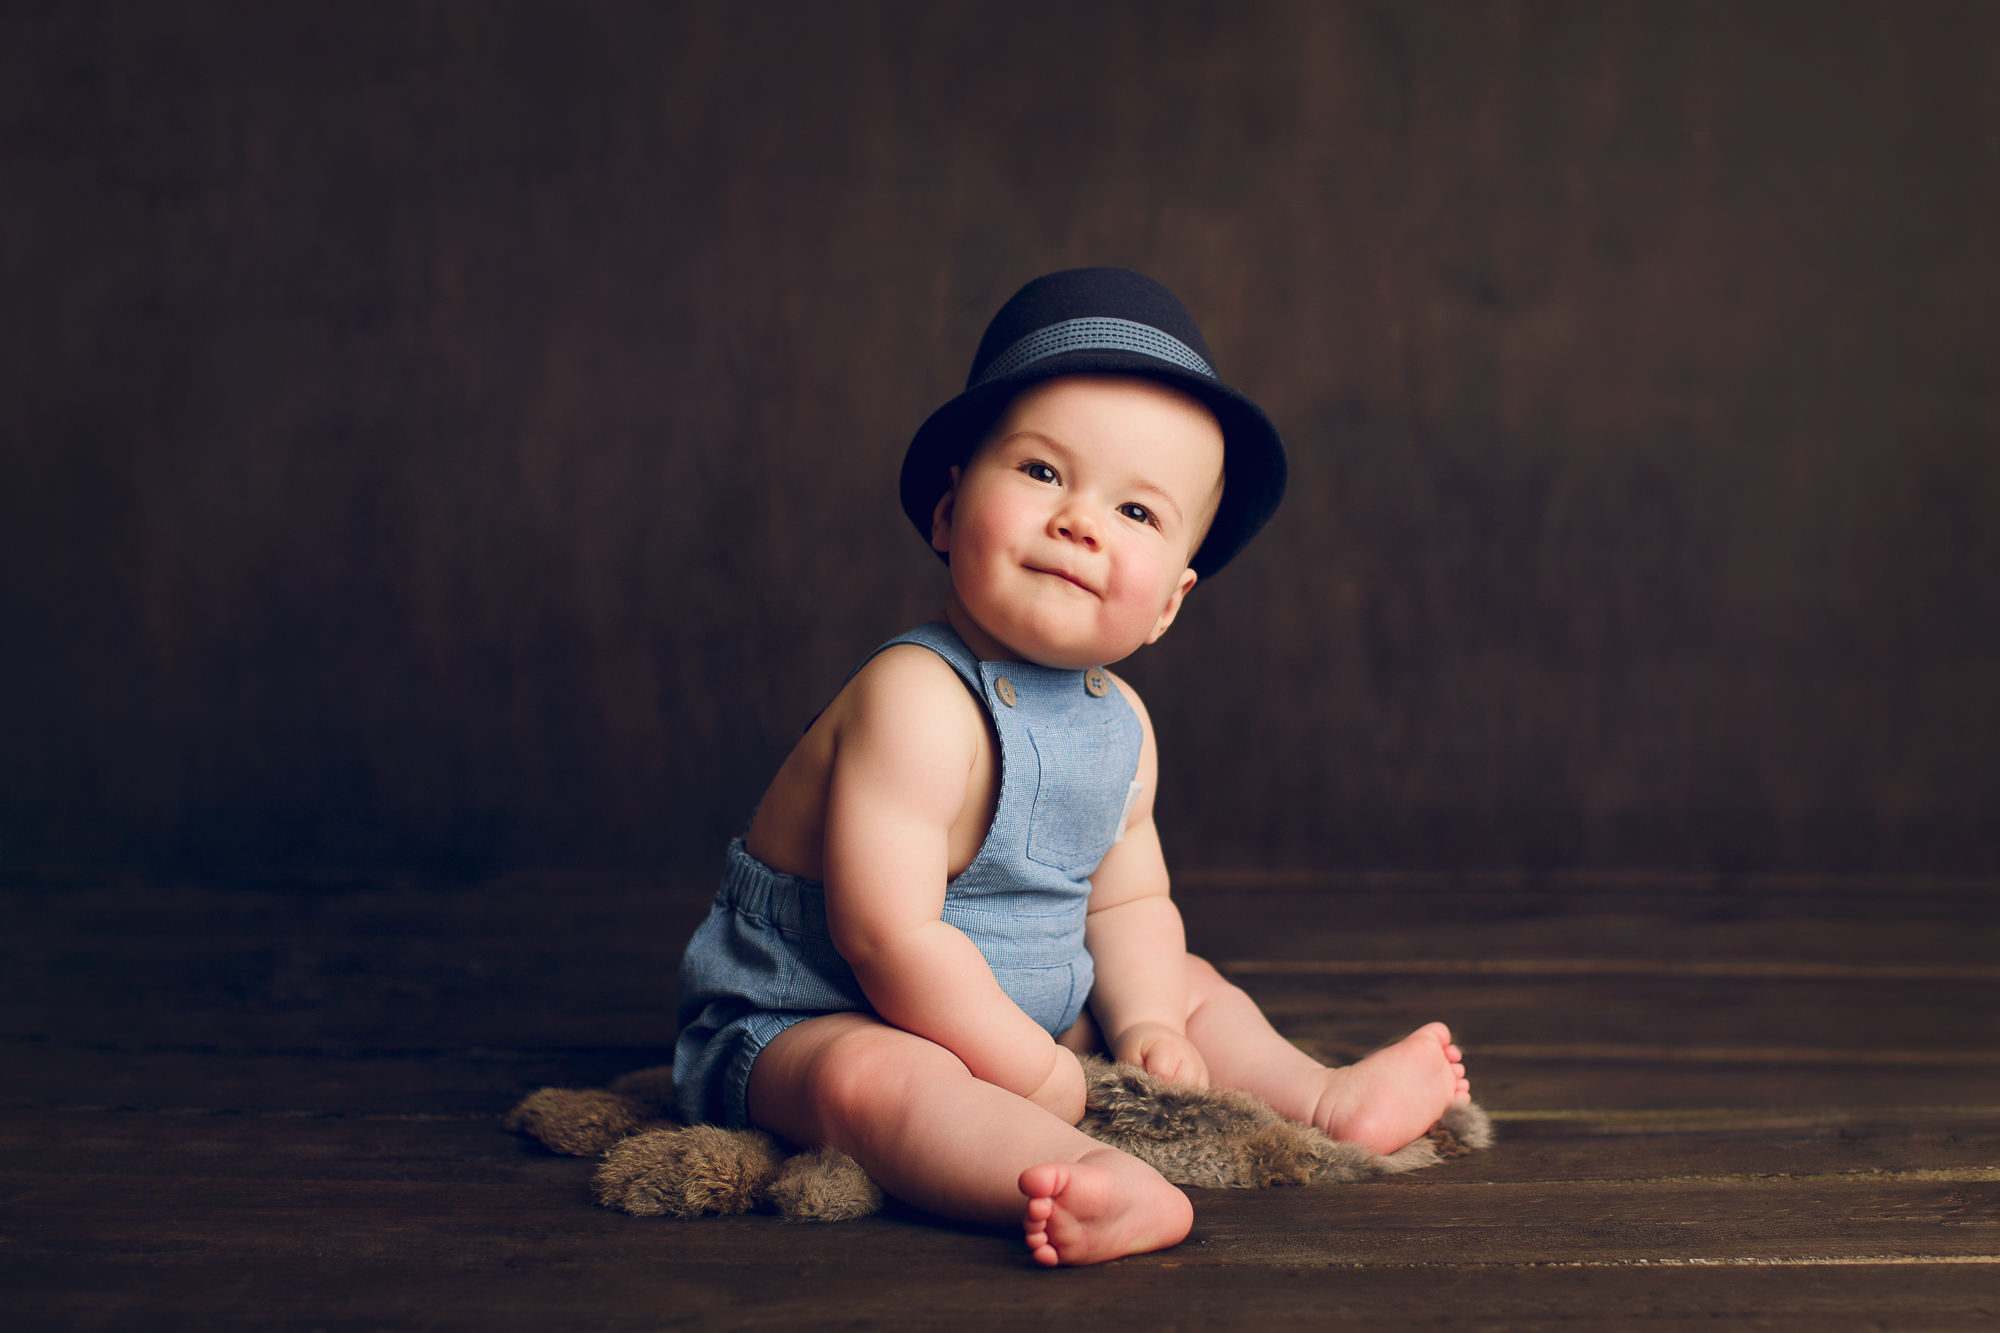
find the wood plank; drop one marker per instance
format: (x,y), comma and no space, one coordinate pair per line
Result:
(1413,1220)
(352,970)
(469,1148)
(476,1082)
(1789,1090)
(1628,883)
(1669,1012)
(1432,922)
(228,1252)
(1731,1055)
(589,1284)
(1755,970)
(285,1147)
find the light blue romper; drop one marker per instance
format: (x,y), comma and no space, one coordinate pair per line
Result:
(764,960)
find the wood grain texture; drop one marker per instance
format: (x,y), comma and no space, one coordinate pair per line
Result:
(187,1147)
(297,1253)
(639,1284)
(462,435)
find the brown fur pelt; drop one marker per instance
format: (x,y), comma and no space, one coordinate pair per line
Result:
(1204,1137)
(1219,1138)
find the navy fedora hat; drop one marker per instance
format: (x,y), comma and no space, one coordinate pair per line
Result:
(1102,321)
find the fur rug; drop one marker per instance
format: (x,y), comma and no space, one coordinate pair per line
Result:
(1205,1137)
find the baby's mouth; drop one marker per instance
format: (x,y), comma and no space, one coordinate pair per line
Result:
(1066,577)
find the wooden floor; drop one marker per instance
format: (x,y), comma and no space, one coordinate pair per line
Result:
(274,1106)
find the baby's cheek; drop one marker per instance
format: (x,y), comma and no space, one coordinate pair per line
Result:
(1139,599)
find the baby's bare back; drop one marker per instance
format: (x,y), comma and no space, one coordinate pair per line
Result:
(788,833)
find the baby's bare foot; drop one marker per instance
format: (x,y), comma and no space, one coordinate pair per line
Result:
(1397,1093)
(1104,1206)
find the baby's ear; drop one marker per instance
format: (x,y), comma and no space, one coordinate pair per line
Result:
(1173,608)
(941,515)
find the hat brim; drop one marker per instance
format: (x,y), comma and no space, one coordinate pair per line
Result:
(1253,455)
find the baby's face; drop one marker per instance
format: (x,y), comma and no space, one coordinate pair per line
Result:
(1071,527)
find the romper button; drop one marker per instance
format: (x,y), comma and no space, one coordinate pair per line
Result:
(1095,681)
(1005,689)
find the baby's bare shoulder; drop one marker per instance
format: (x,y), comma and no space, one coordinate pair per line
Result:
(907,691)
(903,726)
(911,673)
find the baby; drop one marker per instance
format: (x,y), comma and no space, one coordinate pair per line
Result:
(954,884)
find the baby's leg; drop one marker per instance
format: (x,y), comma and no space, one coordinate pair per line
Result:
(931,1134)
(1384,1101)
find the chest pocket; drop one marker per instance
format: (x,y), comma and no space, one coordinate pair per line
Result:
(1079,794)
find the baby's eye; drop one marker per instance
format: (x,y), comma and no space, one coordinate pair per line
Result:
(1041,472)
(1137,513)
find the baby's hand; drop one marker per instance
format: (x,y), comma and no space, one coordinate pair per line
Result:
(1061,1093)
(1158,1049)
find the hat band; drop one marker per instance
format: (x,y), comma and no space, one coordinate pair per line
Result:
(1096,334)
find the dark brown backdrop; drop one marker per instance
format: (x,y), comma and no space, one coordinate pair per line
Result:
(457,436)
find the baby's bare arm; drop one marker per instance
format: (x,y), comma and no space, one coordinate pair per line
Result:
(903,755)
(1137,943)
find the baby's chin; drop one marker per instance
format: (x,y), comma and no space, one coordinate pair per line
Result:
(1071,652)
(1065,633)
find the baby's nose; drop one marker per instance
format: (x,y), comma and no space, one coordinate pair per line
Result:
(1078,533)
(1077,526)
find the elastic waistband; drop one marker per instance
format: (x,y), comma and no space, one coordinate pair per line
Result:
(750,886)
